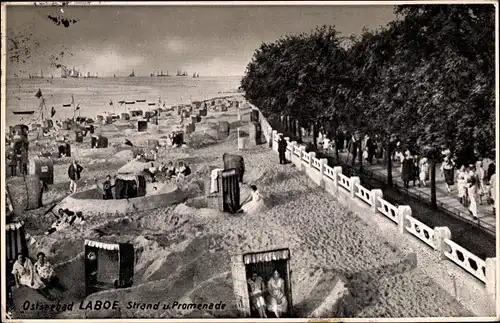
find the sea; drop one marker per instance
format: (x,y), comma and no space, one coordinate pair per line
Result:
(98,95)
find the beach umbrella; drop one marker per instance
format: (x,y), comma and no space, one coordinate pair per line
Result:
(134,167)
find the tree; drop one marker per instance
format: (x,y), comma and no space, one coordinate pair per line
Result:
(296,76)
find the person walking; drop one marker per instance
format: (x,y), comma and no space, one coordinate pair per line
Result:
(282,149)
(462,185)
(370,147)
(423,171)
(481,190)
(407,169)
(448,172)
(472,182)
(352,147)
(74,172)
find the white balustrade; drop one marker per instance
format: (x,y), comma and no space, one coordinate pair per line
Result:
(316,163)
(328,172)
(466,260)
(364,194)
(344,182)
(305,157)
(296,150)
(421,231)
(388,210)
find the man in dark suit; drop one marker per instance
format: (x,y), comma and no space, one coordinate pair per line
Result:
(281,149)
(74,171)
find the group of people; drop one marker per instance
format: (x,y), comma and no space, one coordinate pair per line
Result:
(40,276)
(474,182)
(17,157)
(64,219)
(169,171)
(277,302)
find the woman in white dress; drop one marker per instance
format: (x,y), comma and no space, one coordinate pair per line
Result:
(253,205)
(472,182)
(276,301)
(462,184)
(423,171)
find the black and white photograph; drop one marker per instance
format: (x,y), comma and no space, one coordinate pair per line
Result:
(267,161)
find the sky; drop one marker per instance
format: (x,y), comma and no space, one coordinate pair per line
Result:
(209,40)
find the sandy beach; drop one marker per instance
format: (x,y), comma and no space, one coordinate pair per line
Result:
(183,251)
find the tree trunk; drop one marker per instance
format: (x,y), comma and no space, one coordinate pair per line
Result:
(389,164)
(360,155)
(315,135)
(433,184)
(294,128)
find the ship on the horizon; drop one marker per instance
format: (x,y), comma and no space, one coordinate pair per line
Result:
(31,76)
(181,74)
(89,76)
(132,74)
(196,75)
(161,74)
(73,73)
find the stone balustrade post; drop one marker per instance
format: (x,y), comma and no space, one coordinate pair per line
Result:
(271,133)
(354,180)
(288,155)
(310,161)
(403,211)
(336,171)
(322,163)
(491,275)
(375,194)
(441,233)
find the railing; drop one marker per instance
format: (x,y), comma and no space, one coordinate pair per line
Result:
(316,163)
(296,151)
(364,194)
(305,157)
(344,182)
(328,172)
(421,231)
(388,210)
(465,259)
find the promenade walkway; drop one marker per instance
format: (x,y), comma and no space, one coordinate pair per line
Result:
(445,200)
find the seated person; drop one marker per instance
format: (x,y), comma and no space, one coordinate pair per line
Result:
(152,171)
(252,203)
(276,301)
(25,274)
(183,171)
(257,288)
(65,218)
(46,272)
(170,171)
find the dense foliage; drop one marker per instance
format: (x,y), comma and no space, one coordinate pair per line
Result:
(427,78)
